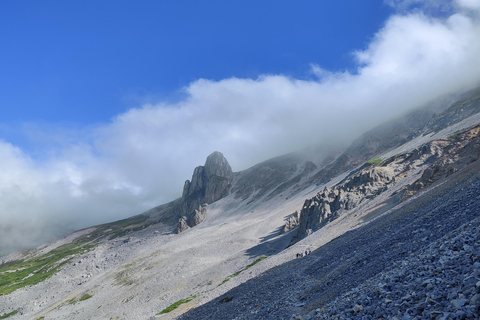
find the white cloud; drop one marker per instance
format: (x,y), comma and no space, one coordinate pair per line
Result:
(143,156)
(470,4)
(431,6)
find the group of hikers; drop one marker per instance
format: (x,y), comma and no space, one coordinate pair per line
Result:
(304,254)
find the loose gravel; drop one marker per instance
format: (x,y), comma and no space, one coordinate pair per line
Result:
(421,261)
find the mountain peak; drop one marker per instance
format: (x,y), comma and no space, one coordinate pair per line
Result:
(210,183)
(217,165)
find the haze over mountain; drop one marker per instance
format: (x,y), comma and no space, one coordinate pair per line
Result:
(425,52)
(387,226)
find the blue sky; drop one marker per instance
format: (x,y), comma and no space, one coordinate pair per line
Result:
(88,61)
(108,106)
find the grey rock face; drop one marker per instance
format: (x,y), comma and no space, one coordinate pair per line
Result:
(439,158)
(182,225)
(331,202)
(197,216)
(292,221)
(210,183)
(266,177)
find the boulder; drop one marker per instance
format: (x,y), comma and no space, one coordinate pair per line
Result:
(182,225)
(197,216)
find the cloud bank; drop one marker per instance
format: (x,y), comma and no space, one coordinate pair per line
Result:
(142,157)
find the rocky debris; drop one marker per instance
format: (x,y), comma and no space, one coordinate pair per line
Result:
(425,120)
(331,202)
(421,261)
(182,224)
(210,183)
(198,216)
(292,221)
(440,158)
(460,150)
(439,282)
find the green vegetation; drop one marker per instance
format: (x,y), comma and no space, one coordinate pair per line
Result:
(243,269)
(376,161)
(6,315)
(21,273)
(255,262)
(126,226)
(118,229)
(30,271)
(84,297)
(41,318)
(454,136)
(175,305)
(18,274)
(123,279)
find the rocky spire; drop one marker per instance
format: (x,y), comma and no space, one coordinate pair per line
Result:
(209,183)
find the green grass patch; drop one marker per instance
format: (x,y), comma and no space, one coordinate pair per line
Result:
(376,161)
(21,273)
(123,279)
(84,297)
(255,262)
(6,315)
(117,229)
(175,305)
(243,269)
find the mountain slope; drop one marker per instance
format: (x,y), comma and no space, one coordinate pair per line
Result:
(137,267)
(424,251)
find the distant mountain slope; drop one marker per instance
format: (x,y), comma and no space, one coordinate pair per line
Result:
(233,228)
(395,133)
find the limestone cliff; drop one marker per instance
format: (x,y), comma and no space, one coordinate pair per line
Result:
(209,183)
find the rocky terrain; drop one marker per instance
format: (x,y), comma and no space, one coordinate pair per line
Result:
(440,157)
(392,222)
(419,261)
